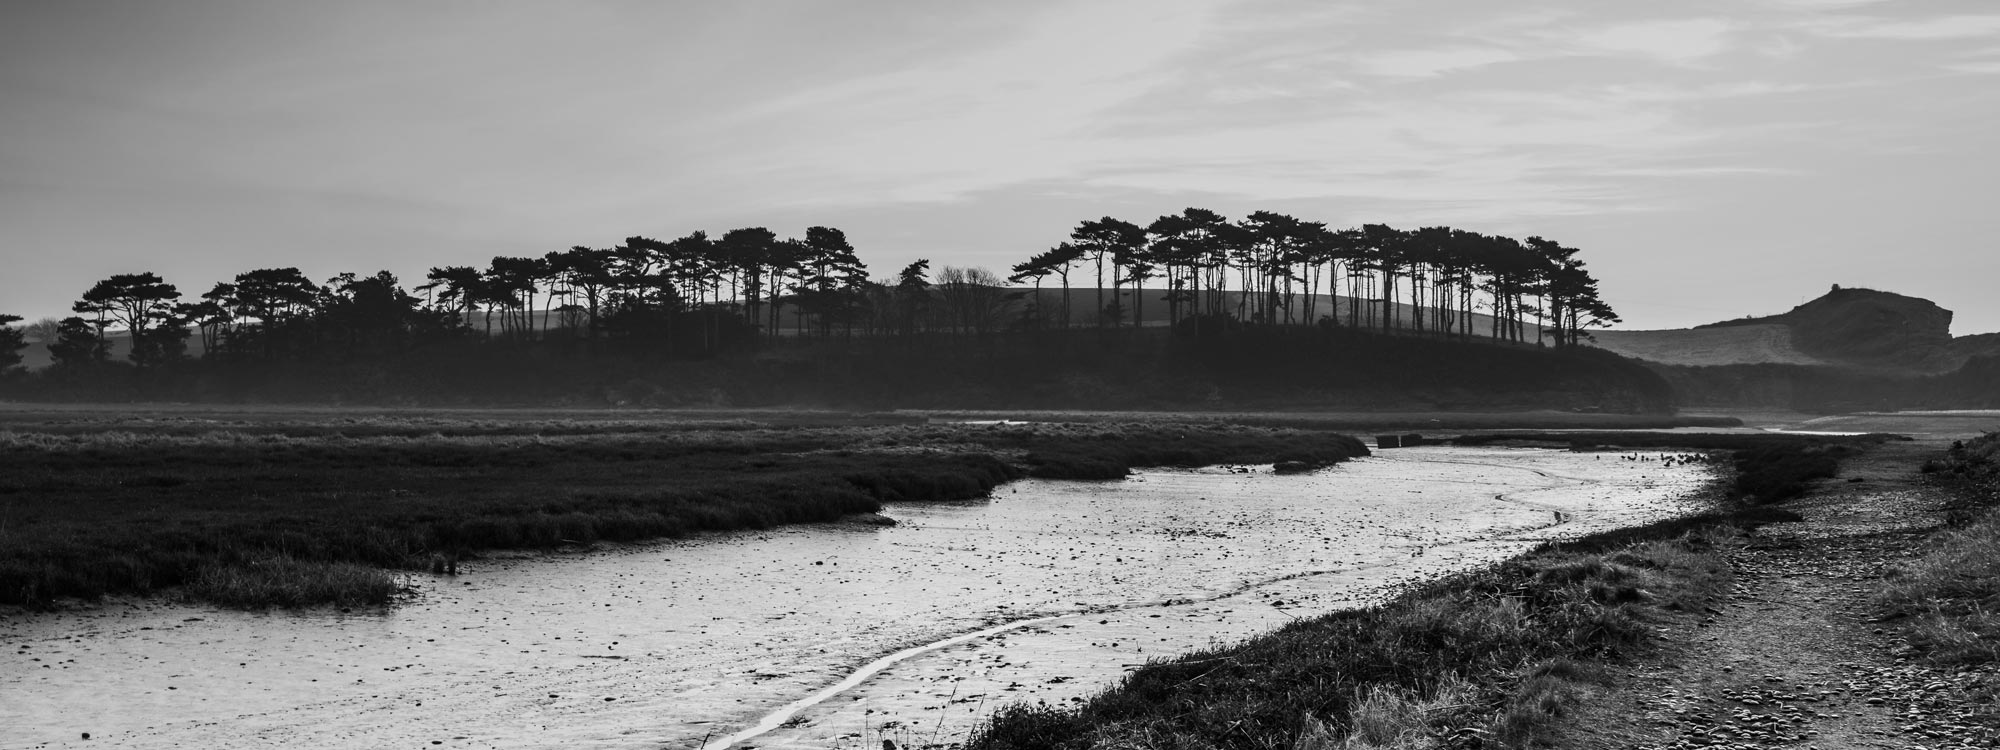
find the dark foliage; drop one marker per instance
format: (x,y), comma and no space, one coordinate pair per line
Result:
(11,343)
(1774,474)
(1258,368)
(1817,389)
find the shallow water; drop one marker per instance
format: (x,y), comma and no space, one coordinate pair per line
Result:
(678,643)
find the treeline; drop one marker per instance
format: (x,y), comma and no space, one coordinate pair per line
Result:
(1280,266)
(697,296)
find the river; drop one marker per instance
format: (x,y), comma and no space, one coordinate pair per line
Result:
(816,636)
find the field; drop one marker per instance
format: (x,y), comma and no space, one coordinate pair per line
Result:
(259,507)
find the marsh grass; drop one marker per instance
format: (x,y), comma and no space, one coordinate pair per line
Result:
(286,582)
(110,506)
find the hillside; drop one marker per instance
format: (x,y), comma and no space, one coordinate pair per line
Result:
(35,355)
(1855,329)
(1851,349)
(1756,344)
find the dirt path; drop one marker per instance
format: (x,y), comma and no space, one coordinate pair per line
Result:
(1792,656)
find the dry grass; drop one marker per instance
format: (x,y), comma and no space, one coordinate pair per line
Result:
(286,582)
(1950,596)
(1390,718)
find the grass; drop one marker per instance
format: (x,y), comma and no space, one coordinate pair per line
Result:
(286,582)
(138,505)
(1488,658)
(1948,599)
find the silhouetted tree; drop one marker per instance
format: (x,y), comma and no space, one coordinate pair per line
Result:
(457,290)
(12,341)
(754,255)
(144,304)
(587,272)
(212,316)
(78,344)
(973,300)
(1056,260)
(271,310)
(913,294)
(371,317)
(1108,239)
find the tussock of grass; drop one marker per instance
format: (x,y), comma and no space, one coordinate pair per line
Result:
(1392,719)
(1542,699)
(286,582)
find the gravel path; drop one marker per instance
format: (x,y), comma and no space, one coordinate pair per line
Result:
(1792,657)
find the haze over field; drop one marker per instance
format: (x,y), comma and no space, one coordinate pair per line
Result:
(1713,159)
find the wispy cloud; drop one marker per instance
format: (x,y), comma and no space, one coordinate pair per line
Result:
(1424,63)
(1904,29)
(1679,41)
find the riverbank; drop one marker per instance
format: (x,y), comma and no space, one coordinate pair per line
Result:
(1500,657)
(1867,624)
(302,508)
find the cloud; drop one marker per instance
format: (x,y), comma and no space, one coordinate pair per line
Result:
(1424,63)
(1678,42)
(1002,113)
(1923,29)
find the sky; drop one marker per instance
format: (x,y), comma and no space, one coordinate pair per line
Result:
(1711,159)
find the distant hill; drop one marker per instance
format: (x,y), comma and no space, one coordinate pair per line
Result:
(1759,344)
(35,355)
(1851,349)
(1856,329)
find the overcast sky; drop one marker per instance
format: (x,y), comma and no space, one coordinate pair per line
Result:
(1711,159)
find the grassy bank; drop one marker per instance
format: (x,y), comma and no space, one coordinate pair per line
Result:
(311,509)
(1947,602)
(1488,658)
